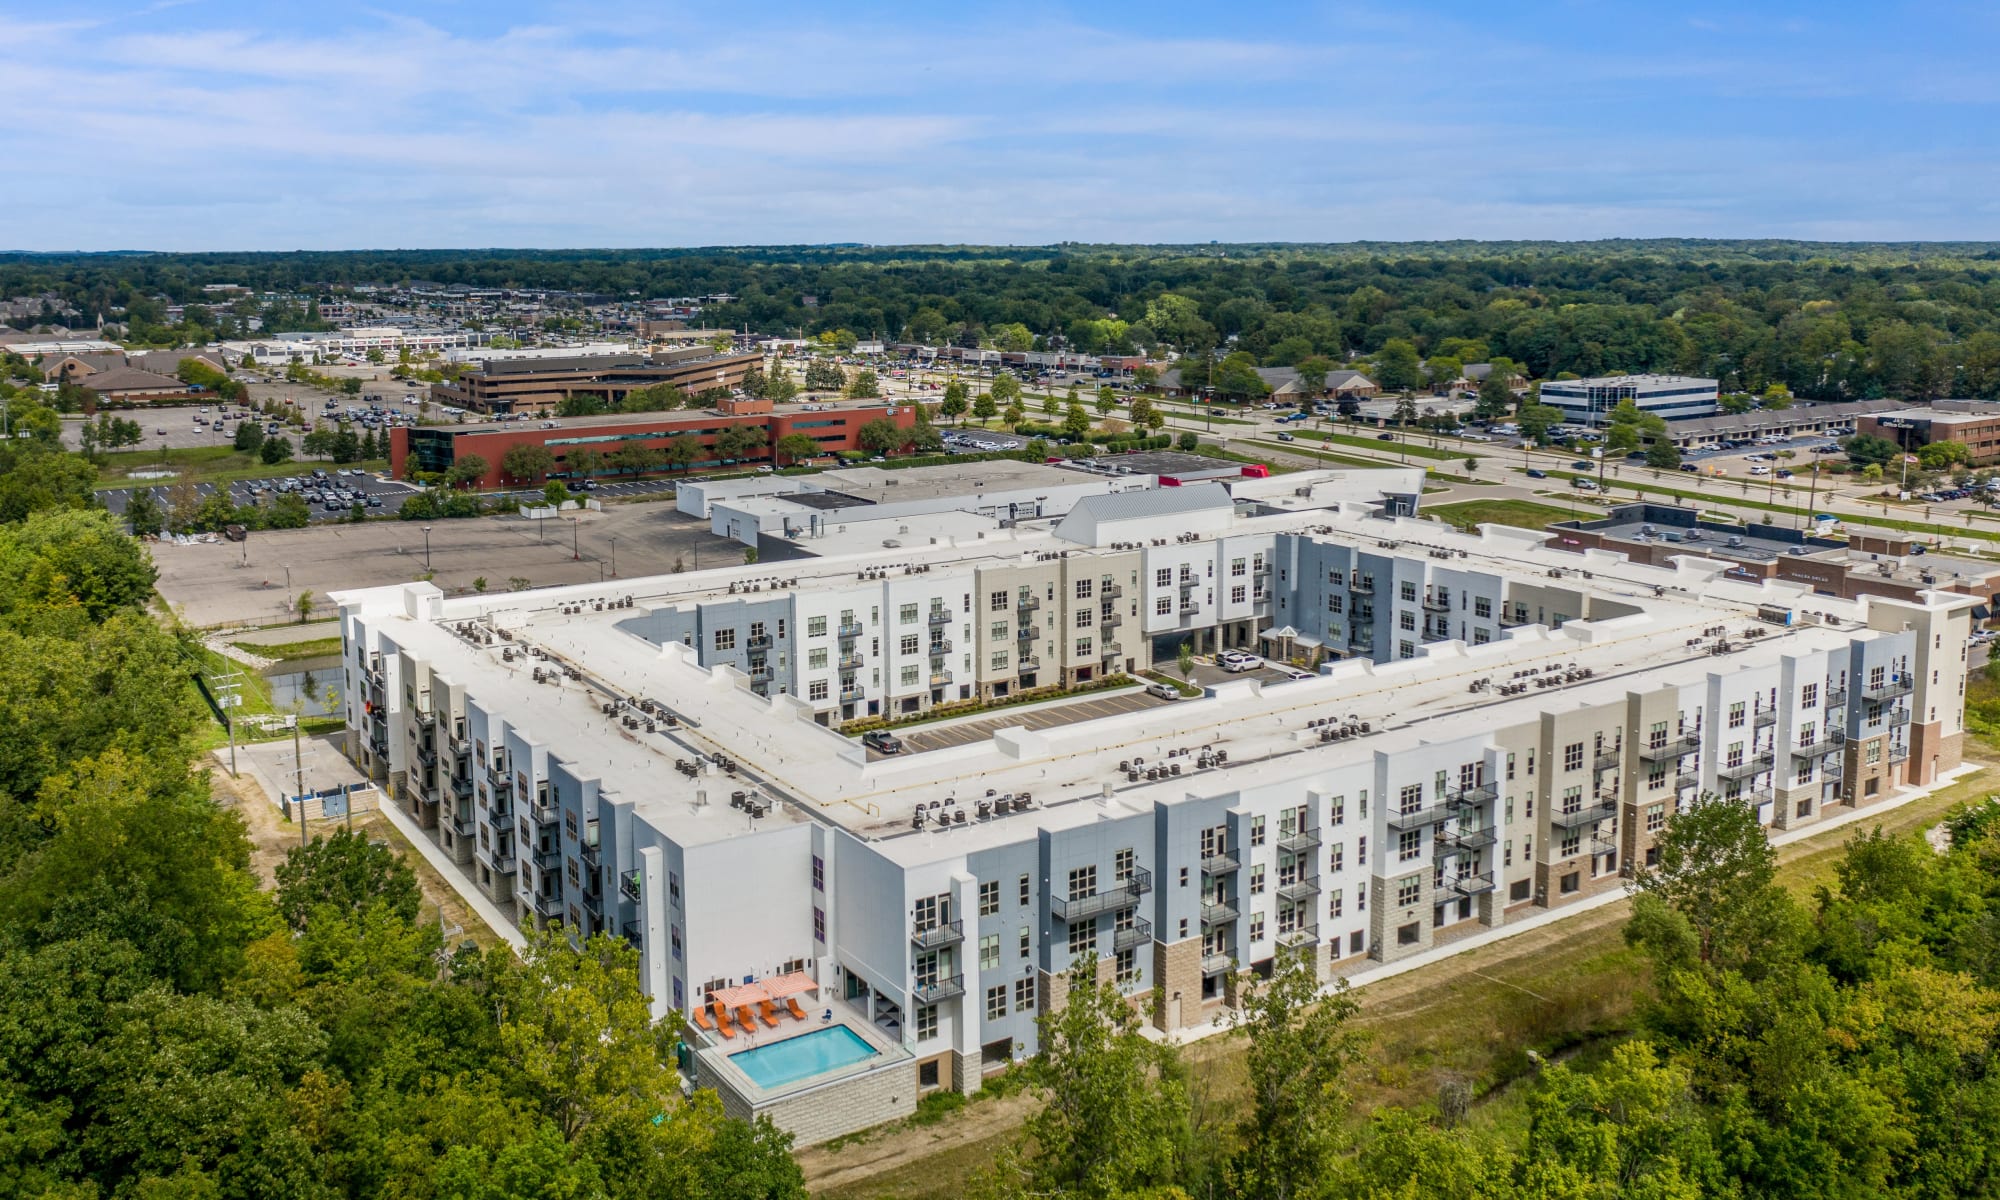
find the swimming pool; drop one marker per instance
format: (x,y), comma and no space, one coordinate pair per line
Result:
(803,1057)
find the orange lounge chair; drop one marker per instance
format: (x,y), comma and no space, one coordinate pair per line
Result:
(767,1014)
(701,1019)
(792,1002)
(722,1025)
(746,1018)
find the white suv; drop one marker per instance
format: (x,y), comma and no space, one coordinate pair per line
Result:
(1237,660)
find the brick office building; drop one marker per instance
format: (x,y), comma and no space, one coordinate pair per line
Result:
(437,447)
(1973,424)
(538,385)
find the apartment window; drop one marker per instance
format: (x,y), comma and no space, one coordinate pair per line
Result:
(1570,844)
(1333,903)
(1572,799)
(1335,578)
(1026,896)
(1164,577)
(819,873)
(989,952)
(815,626)
(816,659)
(1874,678)
(1083,588)
(1507,853)
(816,690)
(1361,852)
(907,644)
(906,614)
(1656,817)
(1361,896)
(1083,940)
(1874,753)
(1733,757)
(725,639)
(819,925)
(1126,967)
(1082,882)
(1122,864)
(1406,649)
(1736,715)
(999,660)
(1256,927)
(996,1002)
(1027,941)
(1085,618)
(1237,594)
(1024,995)
(1336,858)
(908,675)
(1408,591)
(1571,883)
(989,896)
(1409,889)
(1163,607)
(1809,696)
(1257,830)
(927,1022)
(1237,567)
(1482,606)
(1656,776)
(1805,774)
(1407,622)
(998,601)
(1573,757)
(1336,811)
(1257,879)
(1334,604)
(1409,844)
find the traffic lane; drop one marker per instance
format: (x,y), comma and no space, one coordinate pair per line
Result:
(920,740)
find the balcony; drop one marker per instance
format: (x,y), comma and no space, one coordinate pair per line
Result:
(1435,635)
(1745,769)
(1514,620)
(592,856)
(1299,843)
(425,718)
(940,616)
(1027,604)
(1186,584)
(628,885)
(1110,652)
(937,936)
(1216,964)
(1189,606)
(1260,567)
(1472,797)
(848,630)
(635,934)
(1218,913)
(1360,637)
(1140,933)
(428,756)
(548,906)
(463,823)
(1588,815)
(1465,841)
(1420,818)
(1827,744)
(1123,895)
(757,641)
(939,648)
(1685,780)
(937,991)
(1025,633)
(1111,591)
(1437,604)
(1899,754)
(850,695)
(1299,891)
(1607,760)
(1471,885)
(1109,620)
(760,673)
(1028,662)
(1900,686)
(1764,718)
(1221,862)
(1303,935)
(1673,747)
(1836,697)
(593,903)
(461,786)
(851,662)
(940,678)
(549,858)
(1362,585)
(1899,716)
(1761,795)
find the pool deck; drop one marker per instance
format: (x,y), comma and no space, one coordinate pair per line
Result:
(816,1107)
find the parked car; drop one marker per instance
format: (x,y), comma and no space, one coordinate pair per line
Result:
(1286,437)
(1534,473)
(1163,691)
(882,741)
(1236,661)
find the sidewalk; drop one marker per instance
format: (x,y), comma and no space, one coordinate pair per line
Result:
(1381,971)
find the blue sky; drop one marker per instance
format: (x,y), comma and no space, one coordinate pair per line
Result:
(196,125)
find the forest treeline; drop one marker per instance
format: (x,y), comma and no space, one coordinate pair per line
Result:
(1825,321)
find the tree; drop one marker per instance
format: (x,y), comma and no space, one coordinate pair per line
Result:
(984,407)
(880,436)
(1536,420)
(584,463)
(1189,442)
(1076,423)
(1943,456)
(1711,898)
(1443,371)
(1406,411)
(467,470)
(1143,410)
(142,512)
(318,442)
(249,437)
(953,405)
(554,494)
(304,606)
(1006,390)
(1050,405)
(1117,1118)
(1301,1048)
(1396,365)
(1866,449)
(659,397)
(683,451)
(1496,391)
(823,375)
(80,557)
(1237,378)
(779,388)
(1313,370)
(1107,402)
(794,448)
(288,511)
(923,437)
(527,462)
(1015,414)
(347,872)
(864,386)
(1663,455)
(637,458)
(346,447)
(275,450)
(1630,1128)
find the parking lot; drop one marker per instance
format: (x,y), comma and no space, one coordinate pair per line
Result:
(383,496)
(257,581)
(963,732)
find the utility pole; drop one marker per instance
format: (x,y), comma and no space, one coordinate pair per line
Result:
(299,781)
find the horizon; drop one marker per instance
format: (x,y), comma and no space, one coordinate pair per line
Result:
(218,127)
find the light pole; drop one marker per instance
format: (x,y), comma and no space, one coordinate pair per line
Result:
(614,556)
(427,548)
(575,552)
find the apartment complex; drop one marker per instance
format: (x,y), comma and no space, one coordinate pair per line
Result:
(622,759)
(536,385)
(437,447)
(1590,401)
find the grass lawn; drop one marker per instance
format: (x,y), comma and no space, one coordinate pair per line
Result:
(1397,445)
(207,464)
(1645,489)
(1523,514)
(256,693)
(315,648)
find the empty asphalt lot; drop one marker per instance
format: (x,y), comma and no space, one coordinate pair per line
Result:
(1089,709)
(257,581)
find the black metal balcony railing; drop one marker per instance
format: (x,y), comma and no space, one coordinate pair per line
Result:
(1437,604)
(593,903)
(1220,912)
(851,662)
(1025,633)
(426,719)
(1465,841)
(760,674)
(1110,620)
(1362,585)
(1471,885)
(1607,760)
(940,678)
(1419,818)
(635,934)
(1899,686)
(1513,620)
(939,648)
(936,936)
(628,885)
(461,786)
(937,991)
(848,630)
(1826,743)
(1298,935)
(428,756)
(1298,891)
(1122,895)
(1027,603)
(1588,815)
(1028,662)
(1216,964)
(1686,779)
(1764,718)
(1189,605)
(1138,934)
(1111,591)
(1472,797)
(940,616)
(1300,842)
(592,856)
(1899,754)
(1110,651)
(1836,697)
(548,858)
(1899,716)
(1745,769)
(1673,747)
(1219,862)
(849,695)
(464,823)
(757,641)
(1361,637)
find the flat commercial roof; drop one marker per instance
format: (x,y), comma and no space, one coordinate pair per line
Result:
(814,773)
(1167,462)
(874,485)
(680,416)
